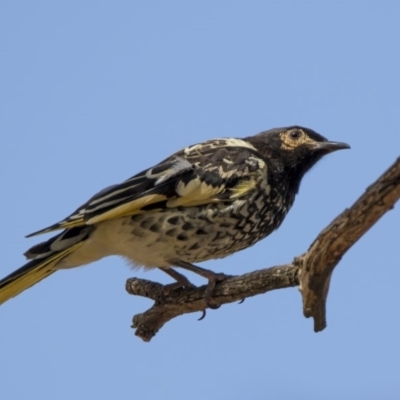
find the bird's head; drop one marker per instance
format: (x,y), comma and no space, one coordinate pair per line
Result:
(295,149)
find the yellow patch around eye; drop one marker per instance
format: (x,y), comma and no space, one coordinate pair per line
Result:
(289,143)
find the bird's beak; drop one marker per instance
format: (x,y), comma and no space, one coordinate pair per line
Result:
(329,147)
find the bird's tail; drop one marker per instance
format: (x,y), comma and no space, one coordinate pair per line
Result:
(44,257)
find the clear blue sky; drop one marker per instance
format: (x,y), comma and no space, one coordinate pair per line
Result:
(92,92)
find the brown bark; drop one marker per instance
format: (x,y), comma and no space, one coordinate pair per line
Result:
(311,271)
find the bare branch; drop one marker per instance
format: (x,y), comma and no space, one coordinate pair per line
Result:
(183,301)
(332,243)
(311,271)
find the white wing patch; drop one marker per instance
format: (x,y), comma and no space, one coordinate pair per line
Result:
(239,143)
(180,165)
(221,142)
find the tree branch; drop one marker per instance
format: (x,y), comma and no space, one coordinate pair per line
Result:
(311,271)
(316,266)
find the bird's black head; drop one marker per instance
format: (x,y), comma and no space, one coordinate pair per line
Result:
(294,150)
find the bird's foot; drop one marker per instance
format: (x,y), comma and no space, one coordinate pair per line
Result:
(181,282)
(212,277)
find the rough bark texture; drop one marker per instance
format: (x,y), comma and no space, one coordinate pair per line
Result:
(311,271)
(316,266)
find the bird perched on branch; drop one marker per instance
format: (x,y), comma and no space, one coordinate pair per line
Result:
(204,202)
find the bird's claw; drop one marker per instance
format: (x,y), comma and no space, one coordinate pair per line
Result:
(203,315)
(212,282)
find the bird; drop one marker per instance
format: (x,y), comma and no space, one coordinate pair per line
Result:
(206,201)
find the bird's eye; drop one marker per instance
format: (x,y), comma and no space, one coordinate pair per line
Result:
(295,134)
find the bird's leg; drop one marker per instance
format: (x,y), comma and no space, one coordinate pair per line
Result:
(181,281)
(213,279)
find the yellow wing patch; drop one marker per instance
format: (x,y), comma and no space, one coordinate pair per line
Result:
(131,208)
(67,223)
(194,193)
(242,188)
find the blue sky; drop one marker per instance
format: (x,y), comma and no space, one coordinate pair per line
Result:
(92,92)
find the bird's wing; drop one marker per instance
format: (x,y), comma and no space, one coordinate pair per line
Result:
(213,171)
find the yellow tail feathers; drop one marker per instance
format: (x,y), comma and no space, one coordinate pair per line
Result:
(31,273)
